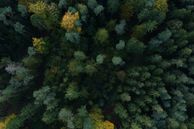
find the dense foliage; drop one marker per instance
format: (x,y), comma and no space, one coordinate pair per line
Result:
(97,64)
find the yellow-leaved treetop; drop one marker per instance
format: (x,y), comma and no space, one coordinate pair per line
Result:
(108,125)
(4,122)
(38,7)
(99,123)
(39,44)
(161,5)
(69,21)
(104,125)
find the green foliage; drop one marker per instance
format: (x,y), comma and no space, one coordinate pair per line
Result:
(100,59)
(120,45)
(72,37)
(62,3)
(126,10)
(67,116)
(79,55)
(113,5)
(120,111)
(141,30)
(102,35)
(85,64)
(98,9)
(92,4)
(120,28)
(3,12)
(72,92)
(26,112)
(117,60)
(19,27)
(135,46)
(44,16)
(22,9)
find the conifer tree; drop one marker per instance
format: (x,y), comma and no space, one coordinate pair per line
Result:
(94,64)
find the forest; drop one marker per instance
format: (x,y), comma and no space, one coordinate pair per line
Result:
(96,64)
